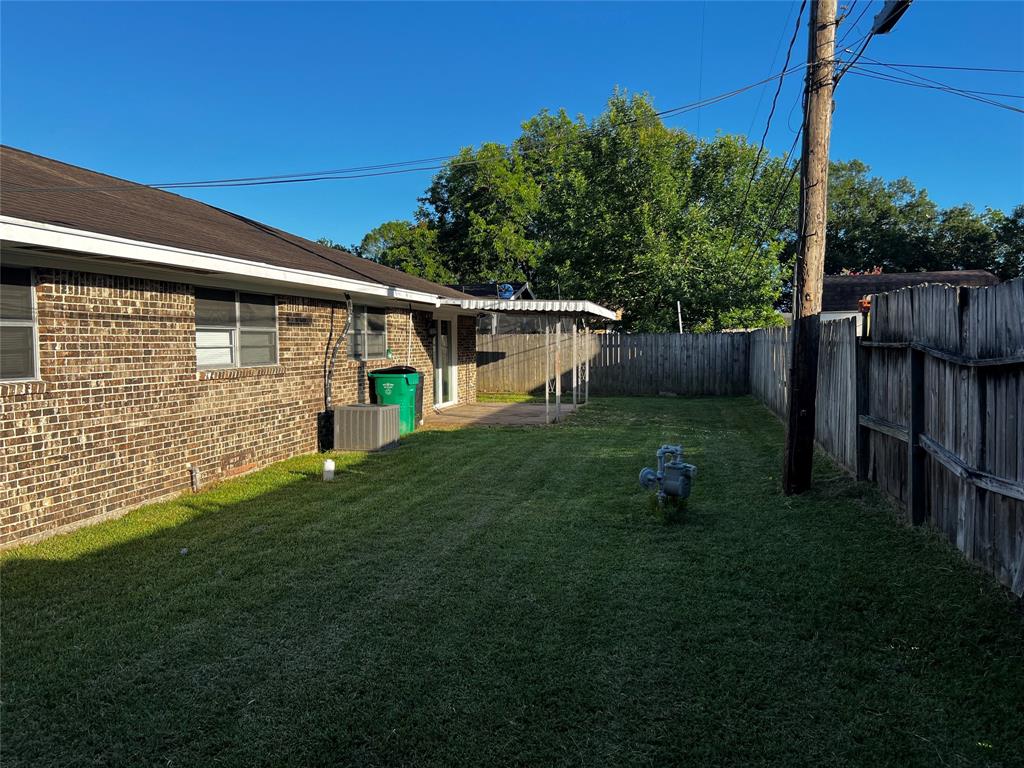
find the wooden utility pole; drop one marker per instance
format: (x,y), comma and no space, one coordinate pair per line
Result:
(810,264)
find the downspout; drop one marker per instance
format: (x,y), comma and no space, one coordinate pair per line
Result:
(408,346)
(329,375)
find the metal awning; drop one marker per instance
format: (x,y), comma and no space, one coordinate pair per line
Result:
(534,306)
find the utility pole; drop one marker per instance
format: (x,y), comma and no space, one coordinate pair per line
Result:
(810,264)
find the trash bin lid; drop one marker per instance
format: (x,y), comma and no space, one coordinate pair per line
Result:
(398,370)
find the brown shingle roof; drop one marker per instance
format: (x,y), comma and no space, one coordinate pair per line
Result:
(44,190)
(842,293)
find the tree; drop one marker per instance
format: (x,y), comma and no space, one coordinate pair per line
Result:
(1009,258)
(482,206)
(624,211)
(628,212)
(410,247)
(872,222)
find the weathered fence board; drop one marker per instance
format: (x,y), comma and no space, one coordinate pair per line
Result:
(621,364)
(835,428)
(945,370)
(770,352)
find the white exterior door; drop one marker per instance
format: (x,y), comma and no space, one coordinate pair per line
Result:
(446,387)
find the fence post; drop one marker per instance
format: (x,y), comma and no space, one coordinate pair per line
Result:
(915,453)
(863,408)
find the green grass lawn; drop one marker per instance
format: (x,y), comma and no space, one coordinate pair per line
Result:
(510,596)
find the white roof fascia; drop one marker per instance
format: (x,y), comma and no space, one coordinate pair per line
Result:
(83,241)
(537,306)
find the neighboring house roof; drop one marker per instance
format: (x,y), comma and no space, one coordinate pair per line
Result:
(490,290)
(842,293)
(39,189)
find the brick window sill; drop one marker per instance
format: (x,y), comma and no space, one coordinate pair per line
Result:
(11,388)
(214,374)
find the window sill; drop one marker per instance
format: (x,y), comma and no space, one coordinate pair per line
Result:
(23,387)
(213,374)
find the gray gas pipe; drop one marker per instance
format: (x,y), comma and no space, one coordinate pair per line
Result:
(672,479)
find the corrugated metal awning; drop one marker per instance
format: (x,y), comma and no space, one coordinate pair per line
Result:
(534,306)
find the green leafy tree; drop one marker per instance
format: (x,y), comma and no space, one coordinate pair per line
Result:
(1009,257)
(482,207)
(872,222)
(410,247)
(636,215)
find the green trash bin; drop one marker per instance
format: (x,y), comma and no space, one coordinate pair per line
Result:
(397,386)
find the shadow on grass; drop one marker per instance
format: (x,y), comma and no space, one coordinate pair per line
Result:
(507,595)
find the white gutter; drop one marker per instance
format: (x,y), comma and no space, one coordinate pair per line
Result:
(84,241)
(536,306)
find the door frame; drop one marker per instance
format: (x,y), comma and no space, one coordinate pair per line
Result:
(453,367)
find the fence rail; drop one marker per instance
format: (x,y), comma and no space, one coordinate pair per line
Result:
(941,399)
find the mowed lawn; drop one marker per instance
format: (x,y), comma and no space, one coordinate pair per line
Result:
(510,596)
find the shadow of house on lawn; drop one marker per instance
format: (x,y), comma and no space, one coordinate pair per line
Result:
(484,595)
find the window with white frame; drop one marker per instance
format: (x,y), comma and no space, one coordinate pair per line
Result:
(368,336)
(234,329)
(19,357)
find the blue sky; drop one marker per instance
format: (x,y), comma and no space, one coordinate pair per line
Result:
(167,92)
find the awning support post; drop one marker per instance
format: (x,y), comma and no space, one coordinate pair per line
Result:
(547,370)
(575,363)
(586,364)
(558,368)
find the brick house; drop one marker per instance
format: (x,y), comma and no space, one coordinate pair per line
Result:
(149,342)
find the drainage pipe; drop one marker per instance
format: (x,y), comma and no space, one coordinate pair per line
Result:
(329,375)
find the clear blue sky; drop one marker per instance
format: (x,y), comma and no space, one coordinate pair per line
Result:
(167,92)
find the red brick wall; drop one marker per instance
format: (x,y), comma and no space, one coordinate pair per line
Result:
(466,352)
(121,412)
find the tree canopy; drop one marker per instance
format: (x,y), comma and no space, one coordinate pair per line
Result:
(633,214)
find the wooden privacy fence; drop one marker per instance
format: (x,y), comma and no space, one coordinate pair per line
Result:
(621,364)
(835,420)
(929,405)
(940,394)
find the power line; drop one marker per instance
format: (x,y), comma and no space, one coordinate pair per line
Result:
(700,60)
(950,67)
(385,169)
(778,47)
(767,127)
(770,223)
(853,27)
(856,58)
(926,82)
(864,69)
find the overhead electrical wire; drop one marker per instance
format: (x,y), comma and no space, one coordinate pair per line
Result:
(767,127)
(853,27)
(771,222)
(775,56)
(951,67)
(866,71)
(384,169)
(700,59)
(926,82)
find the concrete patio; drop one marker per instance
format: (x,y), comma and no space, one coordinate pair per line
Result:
(493,414)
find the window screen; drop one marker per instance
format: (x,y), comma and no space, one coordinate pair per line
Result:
(368,337)
(235,329)
(17,325)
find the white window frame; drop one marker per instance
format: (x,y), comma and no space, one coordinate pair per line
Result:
(33,322)
(236,333)
(364,308)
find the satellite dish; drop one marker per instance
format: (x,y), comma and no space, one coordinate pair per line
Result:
(505,291)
